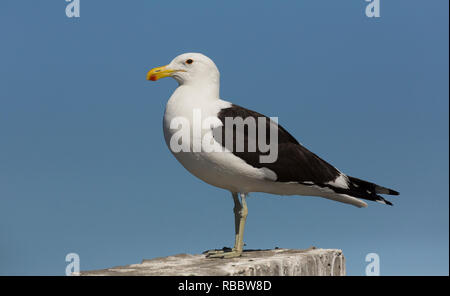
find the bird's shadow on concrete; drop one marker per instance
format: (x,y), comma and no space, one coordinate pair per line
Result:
(227,249)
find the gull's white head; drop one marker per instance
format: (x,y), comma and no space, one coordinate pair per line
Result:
(188,69)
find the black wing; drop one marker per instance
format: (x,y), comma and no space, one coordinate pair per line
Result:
(294,163)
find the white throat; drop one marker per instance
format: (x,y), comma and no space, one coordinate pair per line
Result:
(205,88)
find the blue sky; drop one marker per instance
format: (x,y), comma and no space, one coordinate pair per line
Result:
(84,167)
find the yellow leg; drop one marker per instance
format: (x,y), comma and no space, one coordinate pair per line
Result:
(237,209)
(242,219)
(240,216)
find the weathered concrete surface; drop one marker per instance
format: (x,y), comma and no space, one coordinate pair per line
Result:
(312,261)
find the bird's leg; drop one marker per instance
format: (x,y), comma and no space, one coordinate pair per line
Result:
(240,215)
(236,210)
(242,219)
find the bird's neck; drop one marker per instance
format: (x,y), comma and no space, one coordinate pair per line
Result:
(188,97)
(200,90)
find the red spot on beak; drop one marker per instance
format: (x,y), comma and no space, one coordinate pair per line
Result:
(153,77)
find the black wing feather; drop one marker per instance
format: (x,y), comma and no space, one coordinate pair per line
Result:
(295,163)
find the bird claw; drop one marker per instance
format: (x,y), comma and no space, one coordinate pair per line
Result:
(225,255)
(217,251)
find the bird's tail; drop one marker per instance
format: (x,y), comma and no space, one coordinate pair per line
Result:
(367,190)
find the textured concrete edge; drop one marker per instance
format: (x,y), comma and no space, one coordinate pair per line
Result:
(277,262)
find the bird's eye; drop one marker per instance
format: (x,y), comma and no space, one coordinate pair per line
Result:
(189,61)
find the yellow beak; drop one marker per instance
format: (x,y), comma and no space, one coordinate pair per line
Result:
(160,72)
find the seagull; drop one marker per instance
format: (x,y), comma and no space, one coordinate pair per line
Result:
(197,125)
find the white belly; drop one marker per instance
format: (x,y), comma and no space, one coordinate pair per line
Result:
(220,169)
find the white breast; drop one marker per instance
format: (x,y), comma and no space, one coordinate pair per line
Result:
(221,169)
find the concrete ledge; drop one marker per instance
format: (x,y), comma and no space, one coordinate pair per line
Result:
(315,262)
